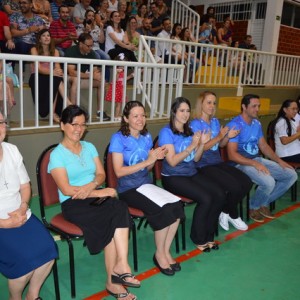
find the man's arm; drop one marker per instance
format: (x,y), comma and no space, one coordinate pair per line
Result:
(73,72)
(234,155)
(267,151)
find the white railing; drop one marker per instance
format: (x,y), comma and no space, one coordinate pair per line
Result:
(217,65)
(187,17)
(150,85)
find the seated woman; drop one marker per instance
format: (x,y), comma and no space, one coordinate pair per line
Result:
(27,249)
(287,132)
(180,176)
(78,172)
(228,179)
(45,47)
(133,158)
(114,41)
(131,36)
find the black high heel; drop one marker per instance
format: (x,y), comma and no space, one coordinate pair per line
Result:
(175,267)
(167,271)
(213,245)
(203,248)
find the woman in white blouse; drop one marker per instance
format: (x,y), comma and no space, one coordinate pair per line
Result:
(114,41)
(287,132)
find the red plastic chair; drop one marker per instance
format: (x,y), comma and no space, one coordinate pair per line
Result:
(112,182)
(48,196)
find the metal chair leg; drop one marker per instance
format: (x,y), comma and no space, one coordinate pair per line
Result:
(183,234)
(72,268)
(248,206)
(134,247)
(177,242)
(56,282)
(140,223)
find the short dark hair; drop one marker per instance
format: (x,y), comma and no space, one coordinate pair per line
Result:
(247,98)
(72,111)
(63,6)
(83,37)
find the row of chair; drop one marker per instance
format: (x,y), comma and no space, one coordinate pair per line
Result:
(48,195)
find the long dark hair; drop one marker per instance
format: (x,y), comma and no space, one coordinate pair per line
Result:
(124,129)
(39,46)
(173,33)
(281,114)
(187,131)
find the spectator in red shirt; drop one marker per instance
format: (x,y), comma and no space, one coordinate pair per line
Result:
(6,42)
(63,30)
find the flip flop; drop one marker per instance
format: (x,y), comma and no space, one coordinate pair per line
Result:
(120,279)
(120,295)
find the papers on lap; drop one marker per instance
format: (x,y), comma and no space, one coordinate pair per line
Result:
(156,194)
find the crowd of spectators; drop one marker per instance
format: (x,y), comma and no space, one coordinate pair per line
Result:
(114,27)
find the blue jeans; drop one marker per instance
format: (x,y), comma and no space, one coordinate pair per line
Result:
(270,187)
(104,56)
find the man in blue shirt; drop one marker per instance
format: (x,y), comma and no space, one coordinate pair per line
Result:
(273,176)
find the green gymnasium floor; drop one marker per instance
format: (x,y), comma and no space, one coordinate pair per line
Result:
(262,263)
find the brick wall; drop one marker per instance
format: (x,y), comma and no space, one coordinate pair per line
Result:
(289,40)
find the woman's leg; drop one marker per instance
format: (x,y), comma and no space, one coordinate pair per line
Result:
(115,254)
(37,279)
(163,232)
(169,239)
(209,202)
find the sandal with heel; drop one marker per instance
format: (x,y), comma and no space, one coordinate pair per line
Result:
(120,295)
(121,279)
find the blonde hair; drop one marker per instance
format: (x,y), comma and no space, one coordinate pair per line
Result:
(198,106)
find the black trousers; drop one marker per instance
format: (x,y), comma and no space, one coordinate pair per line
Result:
(235,183)
(209,203)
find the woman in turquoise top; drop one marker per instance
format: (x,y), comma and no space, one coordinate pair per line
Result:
(78,172)
(180,176)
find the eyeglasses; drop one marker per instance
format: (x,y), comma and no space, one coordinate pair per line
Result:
(77,126)
(3,123)
(89,46)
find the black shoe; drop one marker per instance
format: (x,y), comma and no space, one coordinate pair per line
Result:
(175,267)
(213,245)
(167,271)
(105,116)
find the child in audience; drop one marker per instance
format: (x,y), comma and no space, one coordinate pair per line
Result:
(118,88)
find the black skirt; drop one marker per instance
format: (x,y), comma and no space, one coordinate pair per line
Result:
(98,223)
(158,217)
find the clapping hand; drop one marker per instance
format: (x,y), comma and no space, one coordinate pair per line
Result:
(233,133)
(205,137)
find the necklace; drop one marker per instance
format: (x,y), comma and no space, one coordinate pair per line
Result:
(79,157)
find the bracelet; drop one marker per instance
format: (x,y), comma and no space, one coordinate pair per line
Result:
(28,29)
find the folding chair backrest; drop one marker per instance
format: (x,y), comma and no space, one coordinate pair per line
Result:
(270,135)
(111,178)
(158,164)
(46,185)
